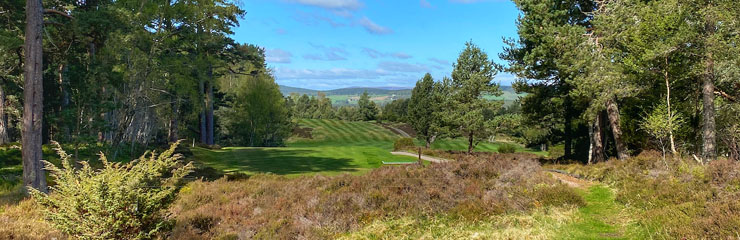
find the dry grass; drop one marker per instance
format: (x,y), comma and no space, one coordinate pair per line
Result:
(541,223)
(269,207)
(25,221)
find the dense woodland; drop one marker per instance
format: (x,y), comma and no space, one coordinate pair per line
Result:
(611,78)
(132,73)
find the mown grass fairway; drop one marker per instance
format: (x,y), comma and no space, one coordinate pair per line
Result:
(462,145)
(335,147)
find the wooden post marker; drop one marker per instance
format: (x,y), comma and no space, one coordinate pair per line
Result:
(420,162)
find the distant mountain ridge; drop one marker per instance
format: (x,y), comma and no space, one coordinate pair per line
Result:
(287,90)
(401,91)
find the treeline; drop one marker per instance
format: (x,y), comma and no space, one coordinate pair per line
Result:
(320,107)
(610,78)
(131,73)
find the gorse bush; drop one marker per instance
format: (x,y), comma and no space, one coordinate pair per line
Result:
(403,143)
(118,201)
(506,148)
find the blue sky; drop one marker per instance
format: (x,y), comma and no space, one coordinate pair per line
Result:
(328,44)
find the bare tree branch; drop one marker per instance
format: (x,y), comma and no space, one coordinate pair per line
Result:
(53,11)
(725,95)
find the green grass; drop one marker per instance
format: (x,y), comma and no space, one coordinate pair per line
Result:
(601,218)
(462,145)
(336,147)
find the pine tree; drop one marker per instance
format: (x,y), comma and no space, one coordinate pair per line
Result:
(424,109)
(471,78)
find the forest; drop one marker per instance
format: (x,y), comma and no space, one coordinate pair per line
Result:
(628,97)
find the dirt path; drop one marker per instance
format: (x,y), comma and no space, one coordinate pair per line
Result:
(570,180)
(399,131)
(423,157)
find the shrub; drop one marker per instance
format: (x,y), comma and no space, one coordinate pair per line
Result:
(119,201)
(403,143)
(506,148)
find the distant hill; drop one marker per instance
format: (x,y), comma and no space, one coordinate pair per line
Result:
(381,95)
(371,91)
(286,90)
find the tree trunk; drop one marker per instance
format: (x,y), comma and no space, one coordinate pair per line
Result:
(33,173)
(203,138)
(172,134)
(209,115)
(708,129)
(470,142)
(568,141)
(597,145)
(66,131)
(612,111)
(668,102)
(3,118)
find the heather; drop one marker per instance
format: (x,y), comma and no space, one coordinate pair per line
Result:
(317,207)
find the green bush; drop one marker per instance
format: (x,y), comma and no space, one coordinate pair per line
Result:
(118,201)
(556,151)
(507,148)
(403,143)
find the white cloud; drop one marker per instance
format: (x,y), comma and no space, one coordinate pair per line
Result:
(400,55)
(402,67)
(278,56)
(472,1)
(327,53)
(425,4)
(334,73)
(373,27)
(372,53)
(506,79)
(337,5)
(439,61)
(311,18)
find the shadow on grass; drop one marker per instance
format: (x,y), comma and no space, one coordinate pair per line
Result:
(279,161)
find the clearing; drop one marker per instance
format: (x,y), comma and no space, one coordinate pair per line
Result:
(334,147)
